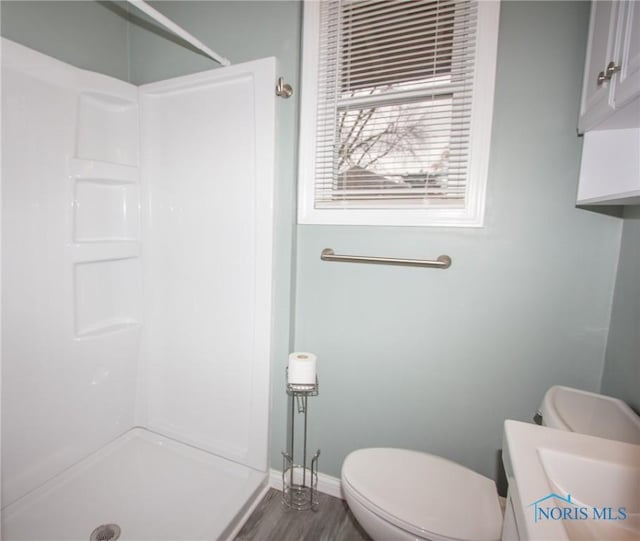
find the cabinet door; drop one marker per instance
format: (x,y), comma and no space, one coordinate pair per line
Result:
(627,81)
(600,49)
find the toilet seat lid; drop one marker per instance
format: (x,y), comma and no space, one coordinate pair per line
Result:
(424,494)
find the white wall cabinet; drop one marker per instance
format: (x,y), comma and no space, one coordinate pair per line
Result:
(610,107)
(627,84)
(610,168)
(611,85)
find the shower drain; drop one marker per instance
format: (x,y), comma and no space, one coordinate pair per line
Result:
(105,532)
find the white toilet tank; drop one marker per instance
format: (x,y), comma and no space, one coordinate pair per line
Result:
(589,413)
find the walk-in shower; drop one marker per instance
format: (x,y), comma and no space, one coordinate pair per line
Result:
(137,284)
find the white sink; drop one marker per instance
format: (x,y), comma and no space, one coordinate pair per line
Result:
(599,484)
(575,410)
(564,485)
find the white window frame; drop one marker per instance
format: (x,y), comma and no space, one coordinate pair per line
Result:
(472,215)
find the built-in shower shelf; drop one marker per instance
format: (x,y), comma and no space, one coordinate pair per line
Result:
(105,201)
(107,295)
(106,172)
(107,126)
(105,251)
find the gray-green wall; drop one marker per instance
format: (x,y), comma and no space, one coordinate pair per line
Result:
(89,35)
(621,376)
(420,358)
(436,360)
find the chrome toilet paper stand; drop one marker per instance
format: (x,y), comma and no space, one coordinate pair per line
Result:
(299,482)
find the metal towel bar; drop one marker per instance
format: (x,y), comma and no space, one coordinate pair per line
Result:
(443,262)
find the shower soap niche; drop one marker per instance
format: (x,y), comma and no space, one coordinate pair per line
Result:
(107,128)
(107,296)
(106,210)
(106,201)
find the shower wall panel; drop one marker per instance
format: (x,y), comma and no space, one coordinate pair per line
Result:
(207,169)
(135,290)
(71,266)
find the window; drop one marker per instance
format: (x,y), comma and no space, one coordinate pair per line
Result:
(396,111)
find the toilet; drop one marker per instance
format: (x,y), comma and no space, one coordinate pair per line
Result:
(399,494)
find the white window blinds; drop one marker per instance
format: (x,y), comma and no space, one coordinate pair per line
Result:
(396,111)
(395,84)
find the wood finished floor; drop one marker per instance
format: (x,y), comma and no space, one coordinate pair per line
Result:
(274,521)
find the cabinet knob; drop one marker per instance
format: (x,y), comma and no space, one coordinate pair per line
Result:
(601,78)
(612,69)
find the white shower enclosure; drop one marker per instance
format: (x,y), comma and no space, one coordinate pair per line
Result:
(137,236)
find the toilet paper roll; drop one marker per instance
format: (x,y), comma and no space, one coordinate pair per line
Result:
(302,369)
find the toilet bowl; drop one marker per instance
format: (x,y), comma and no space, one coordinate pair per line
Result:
(398,494)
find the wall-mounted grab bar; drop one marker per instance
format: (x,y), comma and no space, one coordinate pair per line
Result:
(443,262)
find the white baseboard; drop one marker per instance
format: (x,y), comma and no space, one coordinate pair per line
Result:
(326,483)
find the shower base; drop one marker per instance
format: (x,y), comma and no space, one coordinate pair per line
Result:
(153,488)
